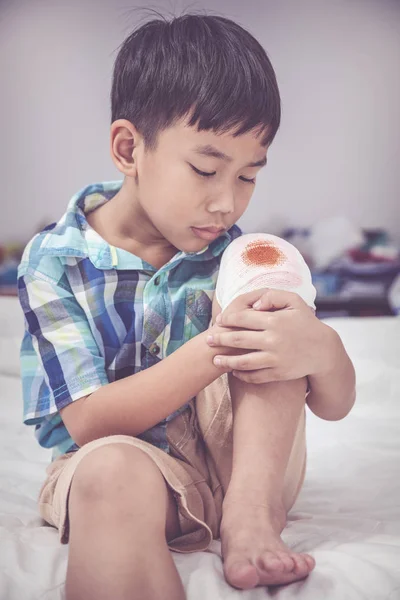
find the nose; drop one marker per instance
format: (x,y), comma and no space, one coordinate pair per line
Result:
(223,203)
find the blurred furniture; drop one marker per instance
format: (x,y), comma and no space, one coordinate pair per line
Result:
(355,289)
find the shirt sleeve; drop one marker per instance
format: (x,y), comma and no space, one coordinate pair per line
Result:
(60,359)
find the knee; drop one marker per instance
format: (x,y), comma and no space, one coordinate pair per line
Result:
(259,260)
(113,470)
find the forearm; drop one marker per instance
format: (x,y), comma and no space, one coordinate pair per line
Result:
(136,403)
(332,394)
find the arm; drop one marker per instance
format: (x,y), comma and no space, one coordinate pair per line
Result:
(290,343)
(74,371)
(136,403)
(289,340)
(332,393)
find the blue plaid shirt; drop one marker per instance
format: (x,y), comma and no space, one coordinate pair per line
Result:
(95,313)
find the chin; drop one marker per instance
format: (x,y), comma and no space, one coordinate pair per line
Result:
(195,246)
(190,248)
(189,244)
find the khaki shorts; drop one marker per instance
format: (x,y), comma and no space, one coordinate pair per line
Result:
(197,470)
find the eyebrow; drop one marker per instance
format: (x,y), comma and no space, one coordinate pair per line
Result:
(212,151)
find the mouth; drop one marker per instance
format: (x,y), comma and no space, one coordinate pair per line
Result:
(208,233)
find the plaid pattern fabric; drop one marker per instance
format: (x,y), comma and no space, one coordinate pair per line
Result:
(95,313)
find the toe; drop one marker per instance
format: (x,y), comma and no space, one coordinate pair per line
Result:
(241,574)
(301,568)
(310,561)
(287,561)
(271,561)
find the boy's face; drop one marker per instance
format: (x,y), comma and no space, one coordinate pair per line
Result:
(187,208)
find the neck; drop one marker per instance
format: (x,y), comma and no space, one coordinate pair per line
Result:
(123,223)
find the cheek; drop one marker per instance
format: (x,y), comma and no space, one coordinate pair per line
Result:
(242,204)
(164,190)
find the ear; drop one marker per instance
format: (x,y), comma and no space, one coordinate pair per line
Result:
(124,141)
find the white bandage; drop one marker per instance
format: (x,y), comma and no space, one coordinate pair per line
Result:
(260,260)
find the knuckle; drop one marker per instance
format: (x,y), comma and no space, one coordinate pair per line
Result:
(242,376)
(296,299)
(243,362)
(266,338)
(253,378)
(242,318)
(227,320)
(272,340)
(230,318)
(271,359)
(236,339)
(269,320)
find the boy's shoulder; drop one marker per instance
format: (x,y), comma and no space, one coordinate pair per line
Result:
(36,261)
(47,252)
(50,250)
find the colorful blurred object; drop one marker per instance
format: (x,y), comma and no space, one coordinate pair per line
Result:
(10,256)
(377,248)
(354,279)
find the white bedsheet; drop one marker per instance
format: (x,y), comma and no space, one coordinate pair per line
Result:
(347,516)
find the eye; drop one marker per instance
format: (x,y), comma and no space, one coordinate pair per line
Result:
(204,174)
(248,180)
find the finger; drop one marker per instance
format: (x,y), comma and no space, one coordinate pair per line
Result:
(260,376)
(244,362)
(273,299)
(249,298)
(247,340)
(246,319)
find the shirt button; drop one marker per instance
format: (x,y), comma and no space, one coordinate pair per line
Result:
(154,349)
(157,281)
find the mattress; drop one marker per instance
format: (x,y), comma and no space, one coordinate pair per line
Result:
(347,515)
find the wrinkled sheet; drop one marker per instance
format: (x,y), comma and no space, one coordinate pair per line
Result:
(347,515)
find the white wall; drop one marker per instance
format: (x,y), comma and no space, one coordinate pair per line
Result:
(338,66)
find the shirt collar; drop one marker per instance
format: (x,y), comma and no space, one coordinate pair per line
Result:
(72,236)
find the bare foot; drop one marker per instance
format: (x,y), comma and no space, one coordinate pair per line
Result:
(253,551)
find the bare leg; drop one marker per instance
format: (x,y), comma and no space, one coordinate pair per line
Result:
(121,514)
(265,418)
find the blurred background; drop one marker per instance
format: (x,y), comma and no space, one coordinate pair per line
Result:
(332,186)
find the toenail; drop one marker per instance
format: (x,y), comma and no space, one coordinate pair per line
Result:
(311,561)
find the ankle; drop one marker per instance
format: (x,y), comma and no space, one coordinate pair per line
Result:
(240,508)
(269,497)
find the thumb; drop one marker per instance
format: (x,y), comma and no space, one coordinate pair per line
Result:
(273,299)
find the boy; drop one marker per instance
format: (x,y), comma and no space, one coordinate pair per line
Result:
(166,432)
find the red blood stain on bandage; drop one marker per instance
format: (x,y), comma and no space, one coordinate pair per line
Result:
(262,253)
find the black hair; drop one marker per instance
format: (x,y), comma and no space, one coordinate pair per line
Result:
(204,66)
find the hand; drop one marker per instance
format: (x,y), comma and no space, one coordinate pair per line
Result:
(285,338)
